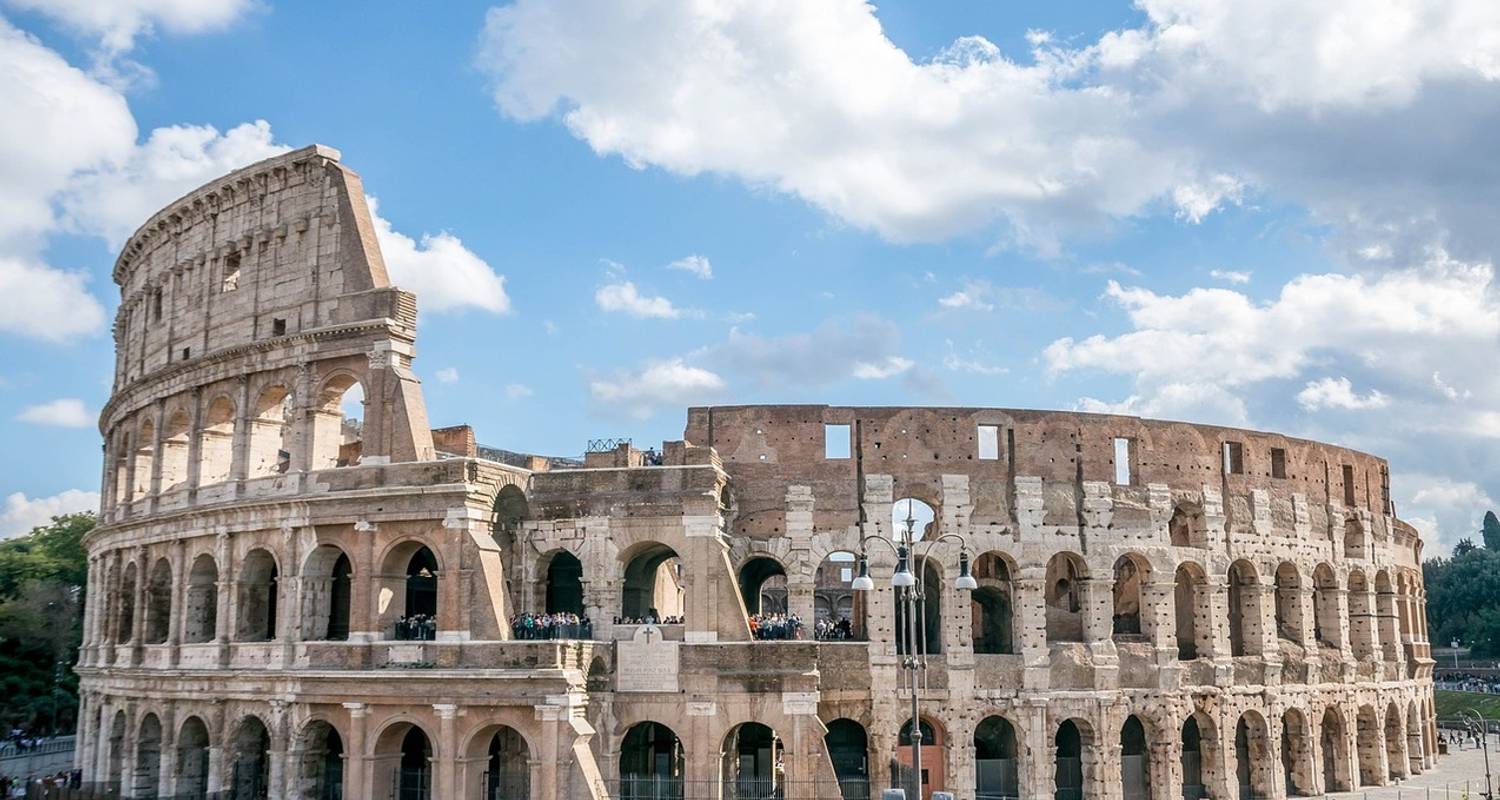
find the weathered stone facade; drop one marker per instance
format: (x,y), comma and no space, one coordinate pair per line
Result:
(1161,606)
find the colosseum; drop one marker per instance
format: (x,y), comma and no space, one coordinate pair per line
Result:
(308,592)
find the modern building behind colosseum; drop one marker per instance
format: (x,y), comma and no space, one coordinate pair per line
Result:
(1163,610)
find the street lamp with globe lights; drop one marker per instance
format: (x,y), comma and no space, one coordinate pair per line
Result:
(910,592)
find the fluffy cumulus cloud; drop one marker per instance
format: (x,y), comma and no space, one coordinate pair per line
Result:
(697,265)
(624,298)
(66,412)
(19,513)
(1443,509)
(1192,402)
(1230,276)
(45,303)
(118,23)
(640,392)
(1194,109)
(445,275)
(1338,393)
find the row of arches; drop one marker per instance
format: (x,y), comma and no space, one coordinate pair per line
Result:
(156,455)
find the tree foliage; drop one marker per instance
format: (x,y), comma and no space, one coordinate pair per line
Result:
(1491,531)
(43,576)
(1463,599)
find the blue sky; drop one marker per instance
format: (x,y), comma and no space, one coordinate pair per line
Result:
(1274,217)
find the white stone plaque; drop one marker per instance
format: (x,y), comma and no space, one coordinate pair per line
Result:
(647,663)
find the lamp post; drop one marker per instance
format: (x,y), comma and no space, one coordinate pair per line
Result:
(908,582)
(1484,744)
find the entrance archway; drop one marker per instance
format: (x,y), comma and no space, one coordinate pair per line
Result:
(1370,744)
(192,759)
(1193,784)
(651,763)
(1193,613)
(320,770)
(993,618)
(995,768)
(326,584)
(1252,750)
(1395,743)
(200,617)
(752,752)
(507,771)
(1135,760)
(250,761)
(564,588)
(934,751)
(259,591)
(1071,770)
(1244,610)
(653,583)
(1296,754)
(1336,774)
(849,750)
(763,586)
(147,782)
(838,610)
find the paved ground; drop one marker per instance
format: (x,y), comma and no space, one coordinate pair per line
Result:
(1459,776)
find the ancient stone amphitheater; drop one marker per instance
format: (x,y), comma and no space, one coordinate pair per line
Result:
(307,592)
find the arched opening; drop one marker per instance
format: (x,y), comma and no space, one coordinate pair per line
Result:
(1135,760)
(849,750)
(200,622)
(159,602)
(763,586)
(507,772)
(1186,527)
(510,510)
(1288,602)
(929,599)
(420,619)
(338,423)
(748,771)
(653,584)
(125,623)
(1065,577)
(270,435)
(1385,614)
(1190,598)
(326,584)
(147,782)
(1395,743)
(838,610)
(1244,610)
(1361,621)
(413,777)
(258,593)
(1193,785)
(320,770)
(564,586)
(923,519)
(1252,756)
(174,451)
(1336,777)
(1326,626)
(651,763)
(996,773)
(119,459)
(250,761)
(934,748)
(993,620)
(192,759)
(1130,572)
(216,442)
(1354,538)
(1369,744)
(1296,754)
(1070,771)
(141,461)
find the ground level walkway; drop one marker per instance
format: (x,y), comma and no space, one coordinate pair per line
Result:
(1459,776)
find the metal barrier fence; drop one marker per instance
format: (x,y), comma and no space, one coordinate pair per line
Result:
(653,787)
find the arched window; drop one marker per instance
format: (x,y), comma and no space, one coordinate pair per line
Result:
(564,586)
(1130,572)
(1385,614)
(259,590)
(651,763)
(1395,744)
(326,586)
(192,759)
(1336,775)
(1065,577)
(201,617)
(1187,527)
(1354,538)
(763,586)
(653,584)
(1193,785)
(145,454)
(1191,604)
(148,758)
(748,771)
(270,437)
(159,602)
(421,596)
(995,768)
(125,623)
(923,519)
(849,750)
(1370,743)
(174,452)
(929,612)
(1135,760)
(1244,610)
(510,510)
(1252,749)
(839,611)
(250,761)
(216,442)
(1288,602)
(321,773)
(338,423)
(507,771)
(1296,754)
(1070,770)
(992,620)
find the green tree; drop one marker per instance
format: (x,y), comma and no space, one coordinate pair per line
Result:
(1491,531)
(42,588)
(1464,547)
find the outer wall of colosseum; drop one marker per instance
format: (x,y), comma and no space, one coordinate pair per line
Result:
(1164,609)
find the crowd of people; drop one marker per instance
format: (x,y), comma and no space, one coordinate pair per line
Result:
(18,743)
(16,786)
(417,628)
(649,619)
(1468,682)
(551,626)
(827,630)
(775,626)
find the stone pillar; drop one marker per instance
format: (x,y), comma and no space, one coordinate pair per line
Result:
(195,443)
(1166,767)
(278,732)
(354,756)
(551,718)
(138,617)
(166,781)
(1159,618)
(226,603)
(1040,743)
(1098,631)
(1030,628)
(239,447)
(156,455)
(444,771)
(177,605)
(99,771)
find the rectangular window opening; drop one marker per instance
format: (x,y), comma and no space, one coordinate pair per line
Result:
(1234,458)
(156,306)
(989,442)
(1122,461)
(278,327)
(1278,462)
(231,273)
(1348,485)
(836,441)
(186,353)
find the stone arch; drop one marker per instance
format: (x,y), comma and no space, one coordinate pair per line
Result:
(506,758)
(402,762)
(934,746)
(159,602)
(1370,746)
(174,451)
(147,778)
(327,587)
(1197,741)
(1327,627)
(849,749)
(320,762)
(1297,753)
(143,457)
(1187,526)
(1073,749)
(1130,573)
(562,589)
(748,767)
(338,415)
(1252,751)
(1244,609)
(116,745)
(1135,760)
(762,581)
(249,759)
(838,610)
(259,591)
(996,768)
(993,605)
(1395,743)
(1288,602)
(1065,576)
(1335,747)
(923,515)
(270,436)
(653,582)
(651,763)
(929,596)
(216,441)
(1354,537)
(1192,604)
(1361,620)
(193,745)
(510,510)
(201,615)
(125,621)
(410,576)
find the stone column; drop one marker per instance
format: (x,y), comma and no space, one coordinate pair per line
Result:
(1030,626)
(1166,767)
(138,617)
(225,603)
(1098,631)
(550,717)
(217,747)
(177,605)
(239,446)
(355,766)
(276,778)
(166,781)
(99,771)
(156,455)
(1039,742)
(195,443)
(1159,618)
(444,783)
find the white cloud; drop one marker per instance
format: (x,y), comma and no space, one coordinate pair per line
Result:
(890,366)
(1448,390)
(1443,509)
(981,295)
(624,297)
(975,362)
(66,412)
(697,265)
(447,375)
(639,393)
(45,303)
(21,513)
(1195,201)
(840,349)
(445,275)
(1192,402)
(118,23)
(965,299)
(518,391)
(1230,276)
(1338,393)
